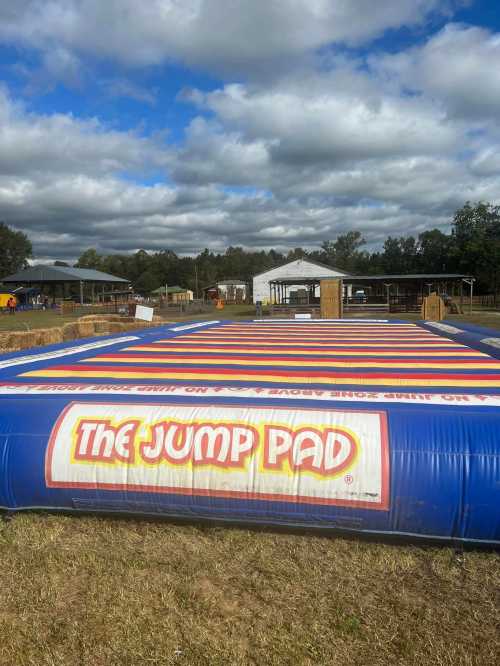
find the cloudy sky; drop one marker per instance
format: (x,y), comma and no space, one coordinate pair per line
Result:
(186,124)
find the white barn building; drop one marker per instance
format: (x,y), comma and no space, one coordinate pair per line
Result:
(300,268)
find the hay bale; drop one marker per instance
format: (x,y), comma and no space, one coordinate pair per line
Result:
(70,331)
(116,327)
(86,326)
(92,317)
(134,326)
(101,326)
(85,329)
(103,316)
(112,317)
(67,308)
(21,340)
(48,336)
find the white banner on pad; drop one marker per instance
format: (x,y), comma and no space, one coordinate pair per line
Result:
(187,327)
(313,456)
(257,392)
(66,351)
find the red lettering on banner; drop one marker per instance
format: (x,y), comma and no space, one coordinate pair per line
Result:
(101,441)
(223,445)
(328,452)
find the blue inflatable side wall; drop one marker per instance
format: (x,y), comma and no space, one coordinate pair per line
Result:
(385,459)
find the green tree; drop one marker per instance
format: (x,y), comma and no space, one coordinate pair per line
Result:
(147,281)
(116,264)
(435,252)
(90,259)
(400,255)
(476,236)
(15,249)
(296,253)
(344,252)
(208,268)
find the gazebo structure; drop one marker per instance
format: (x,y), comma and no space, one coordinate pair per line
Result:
(64,277)
(405,293)
(396,293)
(295,290)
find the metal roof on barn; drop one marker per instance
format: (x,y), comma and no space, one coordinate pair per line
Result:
(312,262)
(409,276)
(38,274)
(290,280)
(171,290)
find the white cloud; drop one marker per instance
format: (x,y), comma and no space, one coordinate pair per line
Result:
(459,67)
(60,143)
(124,88)
(325,144)
(329,125)
(227,35)
(211,155)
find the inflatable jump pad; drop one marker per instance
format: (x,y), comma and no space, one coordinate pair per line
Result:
(373,426)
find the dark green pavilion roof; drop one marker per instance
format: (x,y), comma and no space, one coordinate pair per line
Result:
(60,274)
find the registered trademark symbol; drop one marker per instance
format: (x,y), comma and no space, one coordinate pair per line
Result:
(348,479)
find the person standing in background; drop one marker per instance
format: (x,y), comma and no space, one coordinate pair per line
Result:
(11,304)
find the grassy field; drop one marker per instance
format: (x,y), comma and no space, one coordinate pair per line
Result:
(94,592)
(487,319)
(22,321)
(26,321)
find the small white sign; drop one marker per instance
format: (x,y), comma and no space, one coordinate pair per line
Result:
(144,313)
(303,316)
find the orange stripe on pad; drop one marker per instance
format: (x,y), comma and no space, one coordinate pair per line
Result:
(368,363)
(365,380)
(305,351)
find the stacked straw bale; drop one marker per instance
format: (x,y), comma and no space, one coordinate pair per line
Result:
(84,327)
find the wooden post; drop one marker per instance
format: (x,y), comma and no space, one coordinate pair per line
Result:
(470,282)
(331,299)
(433,308)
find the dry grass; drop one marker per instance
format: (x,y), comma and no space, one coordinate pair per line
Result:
(32,319)
(486,319)
(93,591)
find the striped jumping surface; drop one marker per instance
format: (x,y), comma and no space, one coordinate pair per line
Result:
(288,353)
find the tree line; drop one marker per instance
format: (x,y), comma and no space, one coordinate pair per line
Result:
(472,247)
